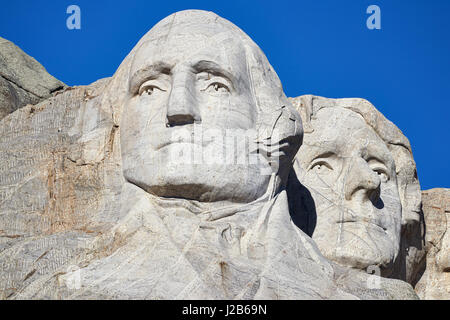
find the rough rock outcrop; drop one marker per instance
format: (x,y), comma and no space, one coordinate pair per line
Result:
(51,184)
(435,281)
(23,80)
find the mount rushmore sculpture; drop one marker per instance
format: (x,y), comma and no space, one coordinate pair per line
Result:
(190,175)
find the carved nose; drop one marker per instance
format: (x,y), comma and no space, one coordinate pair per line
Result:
(179,119)
(182,105)
(362,179)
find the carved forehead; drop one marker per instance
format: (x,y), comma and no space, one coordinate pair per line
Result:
(343,131)
(193,36)
(252,71)
(223,48)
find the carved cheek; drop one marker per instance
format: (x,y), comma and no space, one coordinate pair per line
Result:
(227,112)
(391,199)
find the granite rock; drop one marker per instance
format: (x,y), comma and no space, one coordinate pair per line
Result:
(23,80)
(435,281)
(360,198)
(102,196)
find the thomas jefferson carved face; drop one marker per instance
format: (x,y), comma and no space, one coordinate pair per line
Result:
(188,85)
(351,175)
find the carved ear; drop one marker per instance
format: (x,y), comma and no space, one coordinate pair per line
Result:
(279,136)
(268,93)
(279,129)
(279,124)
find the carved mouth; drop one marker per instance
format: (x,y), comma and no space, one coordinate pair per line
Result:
(362,221)
(180,136)
(167,143)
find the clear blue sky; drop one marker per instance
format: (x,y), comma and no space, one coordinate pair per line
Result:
(320,47)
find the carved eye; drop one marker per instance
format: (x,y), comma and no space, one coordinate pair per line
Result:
(217,87)
(147,89)
(321,167)
(384,177)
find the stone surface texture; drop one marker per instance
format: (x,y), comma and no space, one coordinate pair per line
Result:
(362,186)
(435,282)
(23,80)
(127,188)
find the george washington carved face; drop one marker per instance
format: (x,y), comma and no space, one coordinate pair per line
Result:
(192,100)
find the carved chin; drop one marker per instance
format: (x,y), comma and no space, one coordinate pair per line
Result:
(205,183)
(361,245)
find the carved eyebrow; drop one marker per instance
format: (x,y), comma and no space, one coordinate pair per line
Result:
(324,155)
(376,153)
(378,161)
(213,68)
(147,73)
(373,158)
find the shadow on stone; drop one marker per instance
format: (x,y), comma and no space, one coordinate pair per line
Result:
(302,207)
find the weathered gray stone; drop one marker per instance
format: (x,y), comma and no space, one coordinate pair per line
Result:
(23,80)
(435,282)
(101,195)
(360,178)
